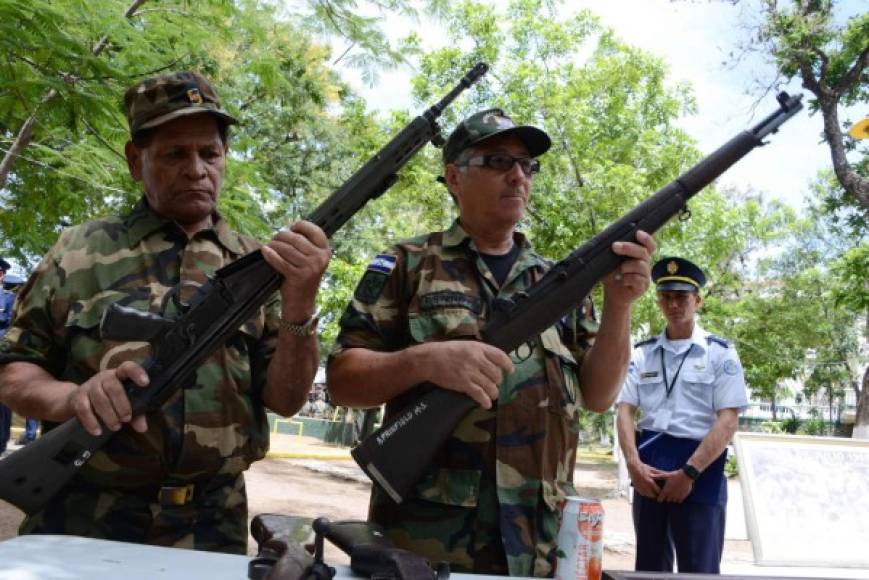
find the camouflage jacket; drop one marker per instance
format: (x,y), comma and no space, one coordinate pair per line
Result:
(216,426)
(489,501)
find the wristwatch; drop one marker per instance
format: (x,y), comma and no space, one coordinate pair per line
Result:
(691,471)
(305,328)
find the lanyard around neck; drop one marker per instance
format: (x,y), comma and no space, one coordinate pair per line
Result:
(669,386)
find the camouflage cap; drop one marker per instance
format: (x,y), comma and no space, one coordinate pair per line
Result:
(160,99)
(489,123)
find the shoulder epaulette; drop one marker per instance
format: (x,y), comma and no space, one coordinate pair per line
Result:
(710,338)
(645,342)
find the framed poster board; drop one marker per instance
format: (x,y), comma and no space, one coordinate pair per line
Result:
(806,499)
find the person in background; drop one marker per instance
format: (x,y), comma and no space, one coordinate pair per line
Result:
(690,387)
(7,301)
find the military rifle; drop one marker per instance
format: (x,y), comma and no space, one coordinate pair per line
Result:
(396,455)
(372,554)
(33,475)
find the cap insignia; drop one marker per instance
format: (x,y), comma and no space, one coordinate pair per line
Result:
(194,97)
(672,267)
(497,120)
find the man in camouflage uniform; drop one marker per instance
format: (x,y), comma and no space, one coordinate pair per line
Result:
(173,477)
(489,500)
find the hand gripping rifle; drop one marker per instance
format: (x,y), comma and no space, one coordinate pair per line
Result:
(32,475)
(372,554)
(396,455)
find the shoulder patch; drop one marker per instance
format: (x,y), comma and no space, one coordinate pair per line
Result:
(646,341)
(371,286)
(710,338)
(383,263)
(374,281)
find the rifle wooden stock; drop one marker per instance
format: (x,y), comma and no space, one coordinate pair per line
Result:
(33,475)
(396,455)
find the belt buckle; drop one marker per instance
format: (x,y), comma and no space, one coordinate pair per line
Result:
(171,495)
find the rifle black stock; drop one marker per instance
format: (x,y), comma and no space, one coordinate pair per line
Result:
(32,475)
(373,555)
(397,454)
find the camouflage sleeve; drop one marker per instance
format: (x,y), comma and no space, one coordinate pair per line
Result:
(376,317)
(37,331)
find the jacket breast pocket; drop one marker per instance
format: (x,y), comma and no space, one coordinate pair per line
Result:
(651,391)
(438,324)
(699,387)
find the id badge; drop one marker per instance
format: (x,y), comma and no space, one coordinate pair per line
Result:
(662,420)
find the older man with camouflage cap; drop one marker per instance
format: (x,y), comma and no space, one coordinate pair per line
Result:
(489,500)
(173,477)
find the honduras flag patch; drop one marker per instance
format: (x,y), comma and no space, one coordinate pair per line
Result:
(374,281)
(383,263)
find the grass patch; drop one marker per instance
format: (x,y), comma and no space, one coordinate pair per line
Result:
(594,454)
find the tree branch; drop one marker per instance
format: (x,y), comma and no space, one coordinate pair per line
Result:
(852,77)
(25,133)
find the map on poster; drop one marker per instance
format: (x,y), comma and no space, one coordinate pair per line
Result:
(806,499)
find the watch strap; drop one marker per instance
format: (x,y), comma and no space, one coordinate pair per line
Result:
(304,328)
(692,472)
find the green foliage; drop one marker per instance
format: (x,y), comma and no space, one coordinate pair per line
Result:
(791,425)
(815,425)
(597,426)
(771,427)
(731,466)
(800,32)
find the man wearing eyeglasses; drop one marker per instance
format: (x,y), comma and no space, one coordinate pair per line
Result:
(489,500)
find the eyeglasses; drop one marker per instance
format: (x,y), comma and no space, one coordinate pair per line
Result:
(503,162)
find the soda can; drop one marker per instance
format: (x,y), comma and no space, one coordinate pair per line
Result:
(580,540)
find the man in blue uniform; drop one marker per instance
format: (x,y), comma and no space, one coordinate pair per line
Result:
(7,299)
(690,387)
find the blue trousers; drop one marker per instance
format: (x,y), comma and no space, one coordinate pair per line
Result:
(693,531)
(5,426)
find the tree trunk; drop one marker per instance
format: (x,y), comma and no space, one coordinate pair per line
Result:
(848,177)
(861,423)
(25,133)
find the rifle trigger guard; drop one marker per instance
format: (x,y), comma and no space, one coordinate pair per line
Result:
(684,214)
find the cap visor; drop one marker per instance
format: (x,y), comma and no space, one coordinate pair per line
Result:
(156,122)
(677,287)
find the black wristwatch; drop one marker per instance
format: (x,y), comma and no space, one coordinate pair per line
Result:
(692,472)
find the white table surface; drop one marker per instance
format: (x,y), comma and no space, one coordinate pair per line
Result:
(45,557)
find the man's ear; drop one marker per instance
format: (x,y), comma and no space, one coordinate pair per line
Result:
(451,180)
(134,160)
